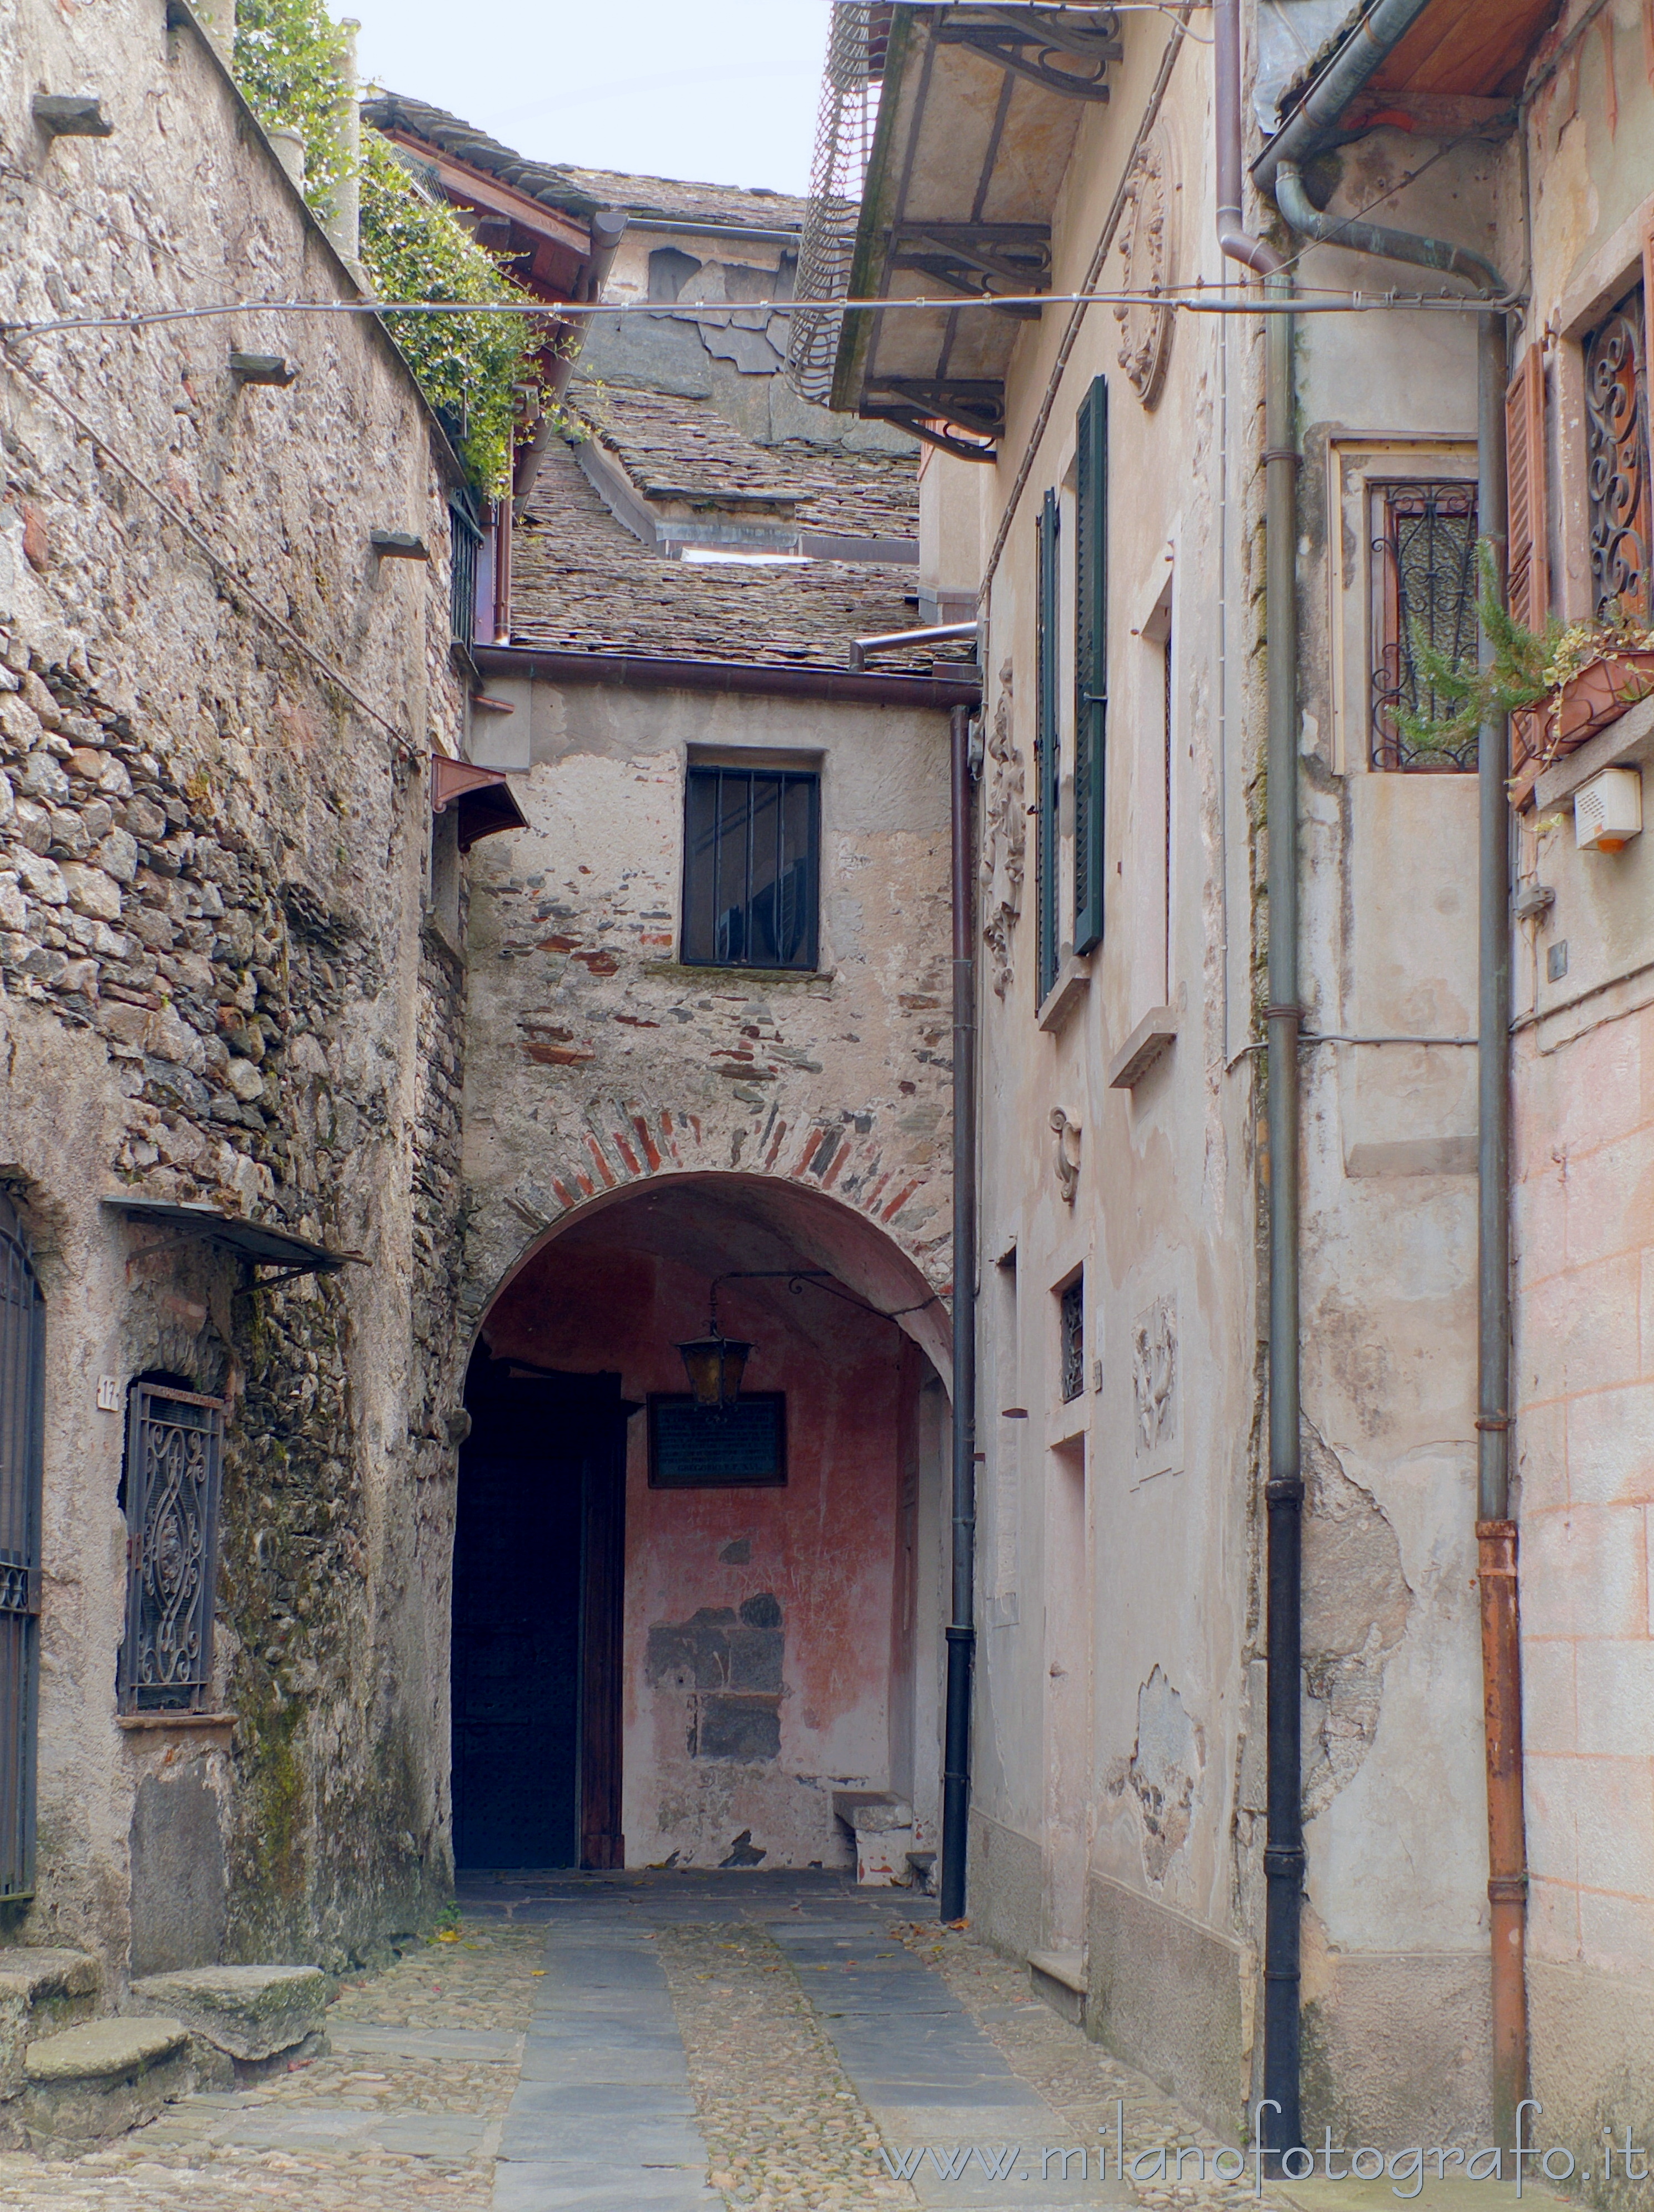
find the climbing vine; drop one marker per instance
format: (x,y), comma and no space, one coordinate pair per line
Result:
(289,62)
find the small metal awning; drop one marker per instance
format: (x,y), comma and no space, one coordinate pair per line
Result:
(264,1247)
(978,111)
(483,800)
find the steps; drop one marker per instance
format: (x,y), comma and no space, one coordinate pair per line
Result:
(1059,1976)
(89,2083)
(245,2021)
(41,1993)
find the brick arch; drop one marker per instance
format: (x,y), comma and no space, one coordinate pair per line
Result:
(883,1229)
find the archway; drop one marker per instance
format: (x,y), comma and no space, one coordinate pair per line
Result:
(675,1637)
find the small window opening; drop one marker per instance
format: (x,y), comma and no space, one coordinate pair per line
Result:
(169,1494)
(1073,1338)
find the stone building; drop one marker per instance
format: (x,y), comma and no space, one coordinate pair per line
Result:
(229,1125)
(1216,974)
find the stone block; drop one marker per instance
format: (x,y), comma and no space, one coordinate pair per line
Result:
(744,1728)
(98,2080)
(180,1885)
(251,2012)
(881,1827)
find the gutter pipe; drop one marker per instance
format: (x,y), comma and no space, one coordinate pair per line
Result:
(1496,1531)
(608,226)
(1371,42)
(962,1627)
(938,634)
(1283,1850)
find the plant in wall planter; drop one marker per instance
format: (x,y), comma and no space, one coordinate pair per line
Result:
(1560,685)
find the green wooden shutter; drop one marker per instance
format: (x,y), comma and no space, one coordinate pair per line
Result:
(1047,747)
(1090,661)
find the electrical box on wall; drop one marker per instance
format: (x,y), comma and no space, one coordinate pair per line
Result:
(1607,811)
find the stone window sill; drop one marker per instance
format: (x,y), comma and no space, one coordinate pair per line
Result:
(1148,1043)
(138,1723)
(1066,996)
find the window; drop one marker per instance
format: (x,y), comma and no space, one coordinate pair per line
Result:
(174,1448)
(1048,754)
(1617,457)
(22,1391)
(1090,659)
(1072,1324)
(1423,583)
(466,544)
(752,838)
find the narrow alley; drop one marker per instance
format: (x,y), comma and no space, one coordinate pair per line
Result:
(655,2042)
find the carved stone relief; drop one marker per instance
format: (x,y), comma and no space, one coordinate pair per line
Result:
(1004,838)
(1156,1388)
(1145,249)
(1067,1162)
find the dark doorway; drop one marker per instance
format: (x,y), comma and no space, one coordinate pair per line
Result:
(537,1561)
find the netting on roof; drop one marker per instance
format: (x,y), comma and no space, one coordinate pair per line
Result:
(844,134)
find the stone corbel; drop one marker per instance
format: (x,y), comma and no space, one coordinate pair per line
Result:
(1067,1162)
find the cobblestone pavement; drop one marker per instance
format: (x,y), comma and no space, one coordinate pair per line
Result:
(766,2043)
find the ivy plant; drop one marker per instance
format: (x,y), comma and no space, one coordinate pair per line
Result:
(289,62)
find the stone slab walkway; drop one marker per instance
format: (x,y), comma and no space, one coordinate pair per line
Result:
(677,2043)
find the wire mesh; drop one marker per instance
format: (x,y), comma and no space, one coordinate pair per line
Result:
(845,124)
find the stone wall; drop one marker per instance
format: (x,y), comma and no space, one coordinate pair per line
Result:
(216,707)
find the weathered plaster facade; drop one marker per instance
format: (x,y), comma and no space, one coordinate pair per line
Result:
(217,706)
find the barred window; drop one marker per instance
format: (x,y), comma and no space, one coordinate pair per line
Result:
(1617,459)
(750,842)
(174,1450)
(467,548)
(1073,1338)
(1424,577)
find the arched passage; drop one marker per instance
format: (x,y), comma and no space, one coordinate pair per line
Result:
(675,1637)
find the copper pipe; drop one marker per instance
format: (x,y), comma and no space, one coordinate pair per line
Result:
(1507,1874)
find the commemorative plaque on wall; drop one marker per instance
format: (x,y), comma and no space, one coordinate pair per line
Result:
(743,1447)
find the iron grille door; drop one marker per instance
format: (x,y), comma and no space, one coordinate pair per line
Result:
(1047,748)
(174,1449)
(22,1395)
(1090,659)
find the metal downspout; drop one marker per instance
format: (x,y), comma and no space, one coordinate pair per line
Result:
(962,1628)
(1371,42)
(1278,2121)
(1496,1531)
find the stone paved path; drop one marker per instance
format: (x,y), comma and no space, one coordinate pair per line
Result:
(667,2043)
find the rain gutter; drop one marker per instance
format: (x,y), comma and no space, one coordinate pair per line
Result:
(652,672)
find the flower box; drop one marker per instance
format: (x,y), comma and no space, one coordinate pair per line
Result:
(1599,695)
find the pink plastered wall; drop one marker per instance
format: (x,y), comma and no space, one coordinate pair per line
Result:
(1584,1173)
(823,1548)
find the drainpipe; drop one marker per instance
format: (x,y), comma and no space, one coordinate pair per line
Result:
(607,227)
(1278,2123)
(1371,42)
(1496,1532)
(962,1629)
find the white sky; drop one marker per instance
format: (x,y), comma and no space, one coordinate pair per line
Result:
(720,91)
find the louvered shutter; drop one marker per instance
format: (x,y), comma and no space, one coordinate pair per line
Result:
(1047,747)
(1528,576)
(1091,660)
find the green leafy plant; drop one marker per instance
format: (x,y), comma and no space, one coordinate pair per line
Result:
(472,368)
(1527,667)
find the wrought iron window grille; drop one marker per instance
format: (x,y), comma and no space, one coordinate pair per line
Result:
(174,1455)
(751,868)
(1072,1305)
(23,1403)
(465,539)
(1423,592)
(1617,459)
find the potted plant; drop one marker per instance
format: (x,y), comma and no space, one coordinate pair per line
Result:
(1560,685)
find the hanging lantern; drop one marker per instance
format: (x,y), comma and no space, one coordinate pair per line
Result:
(714,1364)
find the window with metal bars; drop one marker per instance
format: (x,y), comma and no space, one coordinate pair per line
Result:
(1072,1324)
(1424,580)
(465,549)
(1617,457)
(751,868)
(174,1452)
(22,1398)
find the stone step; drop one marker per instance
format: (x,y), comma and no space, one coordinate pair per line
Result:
(882,1826)
(40,1992)
(95,2081)
(1059,1976)
(259,2018)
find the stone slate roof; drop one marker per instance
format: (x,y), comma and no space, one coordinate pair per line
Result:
(582,191)
(581,582)
(675,448)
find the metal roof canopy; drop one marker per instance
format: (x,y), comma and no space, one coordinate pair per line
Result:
(978,114)
(250,1240)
